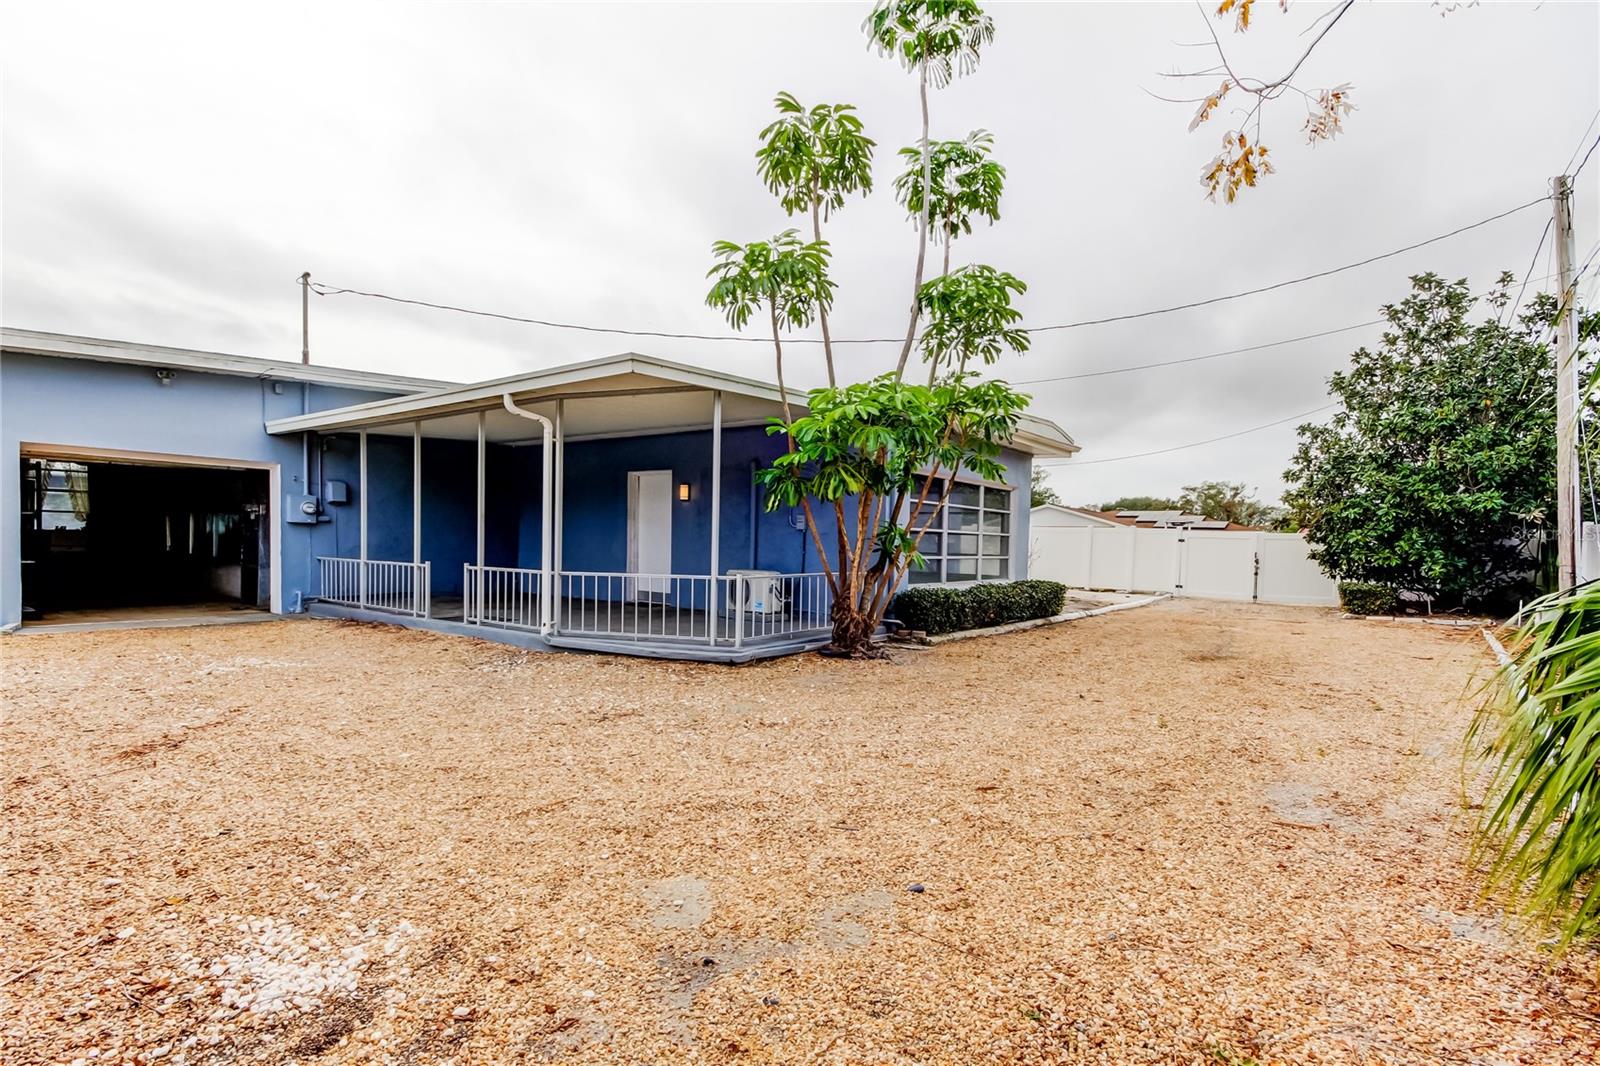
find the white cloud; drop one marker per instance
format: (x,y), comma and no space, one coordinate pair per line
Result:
(170,169)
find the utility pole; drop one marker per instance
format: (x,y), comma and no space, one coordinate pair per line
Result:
(1568,520)
(306,317)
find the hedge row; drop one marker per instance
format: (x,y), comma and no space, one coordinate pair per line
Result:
(1367,597)
(935,609)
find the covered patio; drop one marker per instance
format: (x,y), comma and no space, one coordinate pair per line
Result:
(612,506)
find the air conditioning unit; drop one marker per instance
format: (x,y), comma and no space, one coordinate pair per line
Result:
(758,592)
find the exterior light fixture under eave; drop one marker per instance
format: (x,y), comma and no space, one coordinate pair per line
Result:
(683,492)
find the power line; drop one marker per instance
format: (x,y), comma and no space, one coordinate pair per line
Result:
(325,290)
(1581,138)
(1585,162)
(1236,351)
(1532,264)
(1073,464)
(1197,358)
(1294,281)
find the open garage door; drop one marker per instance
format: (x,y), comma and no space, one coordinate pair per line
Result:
(107,539)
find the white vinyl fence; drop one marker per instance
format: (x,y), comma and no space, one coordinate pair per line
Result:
(1268,567)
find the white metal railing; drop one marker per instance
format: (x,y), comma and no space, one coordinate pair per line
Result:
(634,606)
(692,607)
(376,584)
(785,605)
(510,596)
(729,610)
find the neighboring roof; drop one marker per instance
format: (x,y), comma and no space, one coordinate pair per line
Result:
(627,376)
(1103,517)
(1176,519)
(66,346)
(1149,519)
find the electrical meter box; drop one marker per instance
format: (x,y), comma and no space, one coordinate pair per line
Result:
(301,510)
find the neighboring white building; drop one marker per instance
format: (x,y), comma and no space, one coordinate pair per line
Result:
(1053,515)
(1057,515)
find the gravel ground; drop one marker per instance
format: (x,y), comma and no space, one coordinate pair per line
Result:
(1189,833)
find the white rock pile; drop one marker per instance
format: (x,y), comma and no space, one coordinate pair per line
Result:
(277,969)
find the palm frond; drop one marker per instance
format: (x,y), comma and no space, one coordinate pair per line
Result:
(1538,729)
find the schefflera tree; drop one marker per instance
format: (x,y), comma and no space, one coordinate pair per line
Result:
(877,456)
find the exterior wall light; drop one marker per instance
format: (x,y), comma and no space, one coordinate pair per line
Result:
(165,377)
(683,492)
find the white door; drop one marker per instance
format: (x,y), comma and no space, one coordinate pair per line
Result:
(650,531)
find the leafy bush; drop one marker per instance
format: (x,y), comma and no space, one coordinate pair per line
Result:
(937,609)
(1367,597)
(1437,475)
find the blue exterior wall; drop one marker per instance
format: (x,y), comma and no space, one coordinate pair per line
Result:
(85,404)
(596,504)
(449,503)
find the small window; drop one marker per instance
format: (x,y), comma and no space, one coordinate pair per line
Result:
(965,495)
(962,544)
(961,570)
(60,492)
(997,521)
(962,519)
(996,569)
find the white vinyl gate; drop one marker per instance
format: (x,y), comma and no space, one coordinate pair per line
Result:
(1217,564)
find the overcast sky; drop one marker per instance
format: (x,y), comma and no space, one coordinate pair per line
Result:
(170,170)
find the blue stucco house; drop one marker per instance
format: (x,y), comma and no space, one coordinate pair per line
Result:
(605,505)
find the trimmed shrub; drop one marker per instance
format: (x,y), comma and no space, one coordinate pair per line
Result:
(1367,597)
(936,609)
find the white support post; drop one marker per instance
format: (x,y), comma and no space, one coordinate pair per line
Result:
(560,506)
(361,491)
(416,519)
(416,491)
(716,513)
(477,583)
(547,530)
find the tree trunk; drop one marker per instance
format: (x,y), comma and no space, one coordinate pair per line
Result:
(822,311)
(852,630)
(933,364)
(777,349)
(922,237)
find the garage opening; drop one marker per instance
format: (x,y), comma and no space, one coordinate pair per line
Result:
(113,541)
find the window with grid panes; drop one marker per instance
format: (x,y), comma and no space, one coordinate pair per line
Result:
(970,541)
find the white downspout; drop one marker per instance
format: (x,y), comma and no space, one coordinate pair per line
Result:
(547,614)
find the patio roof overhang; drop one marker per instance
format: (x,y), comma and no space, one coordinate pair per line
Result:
(616,395)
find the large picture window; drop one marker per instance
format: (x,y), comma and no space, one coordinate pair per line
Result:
(970,541)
